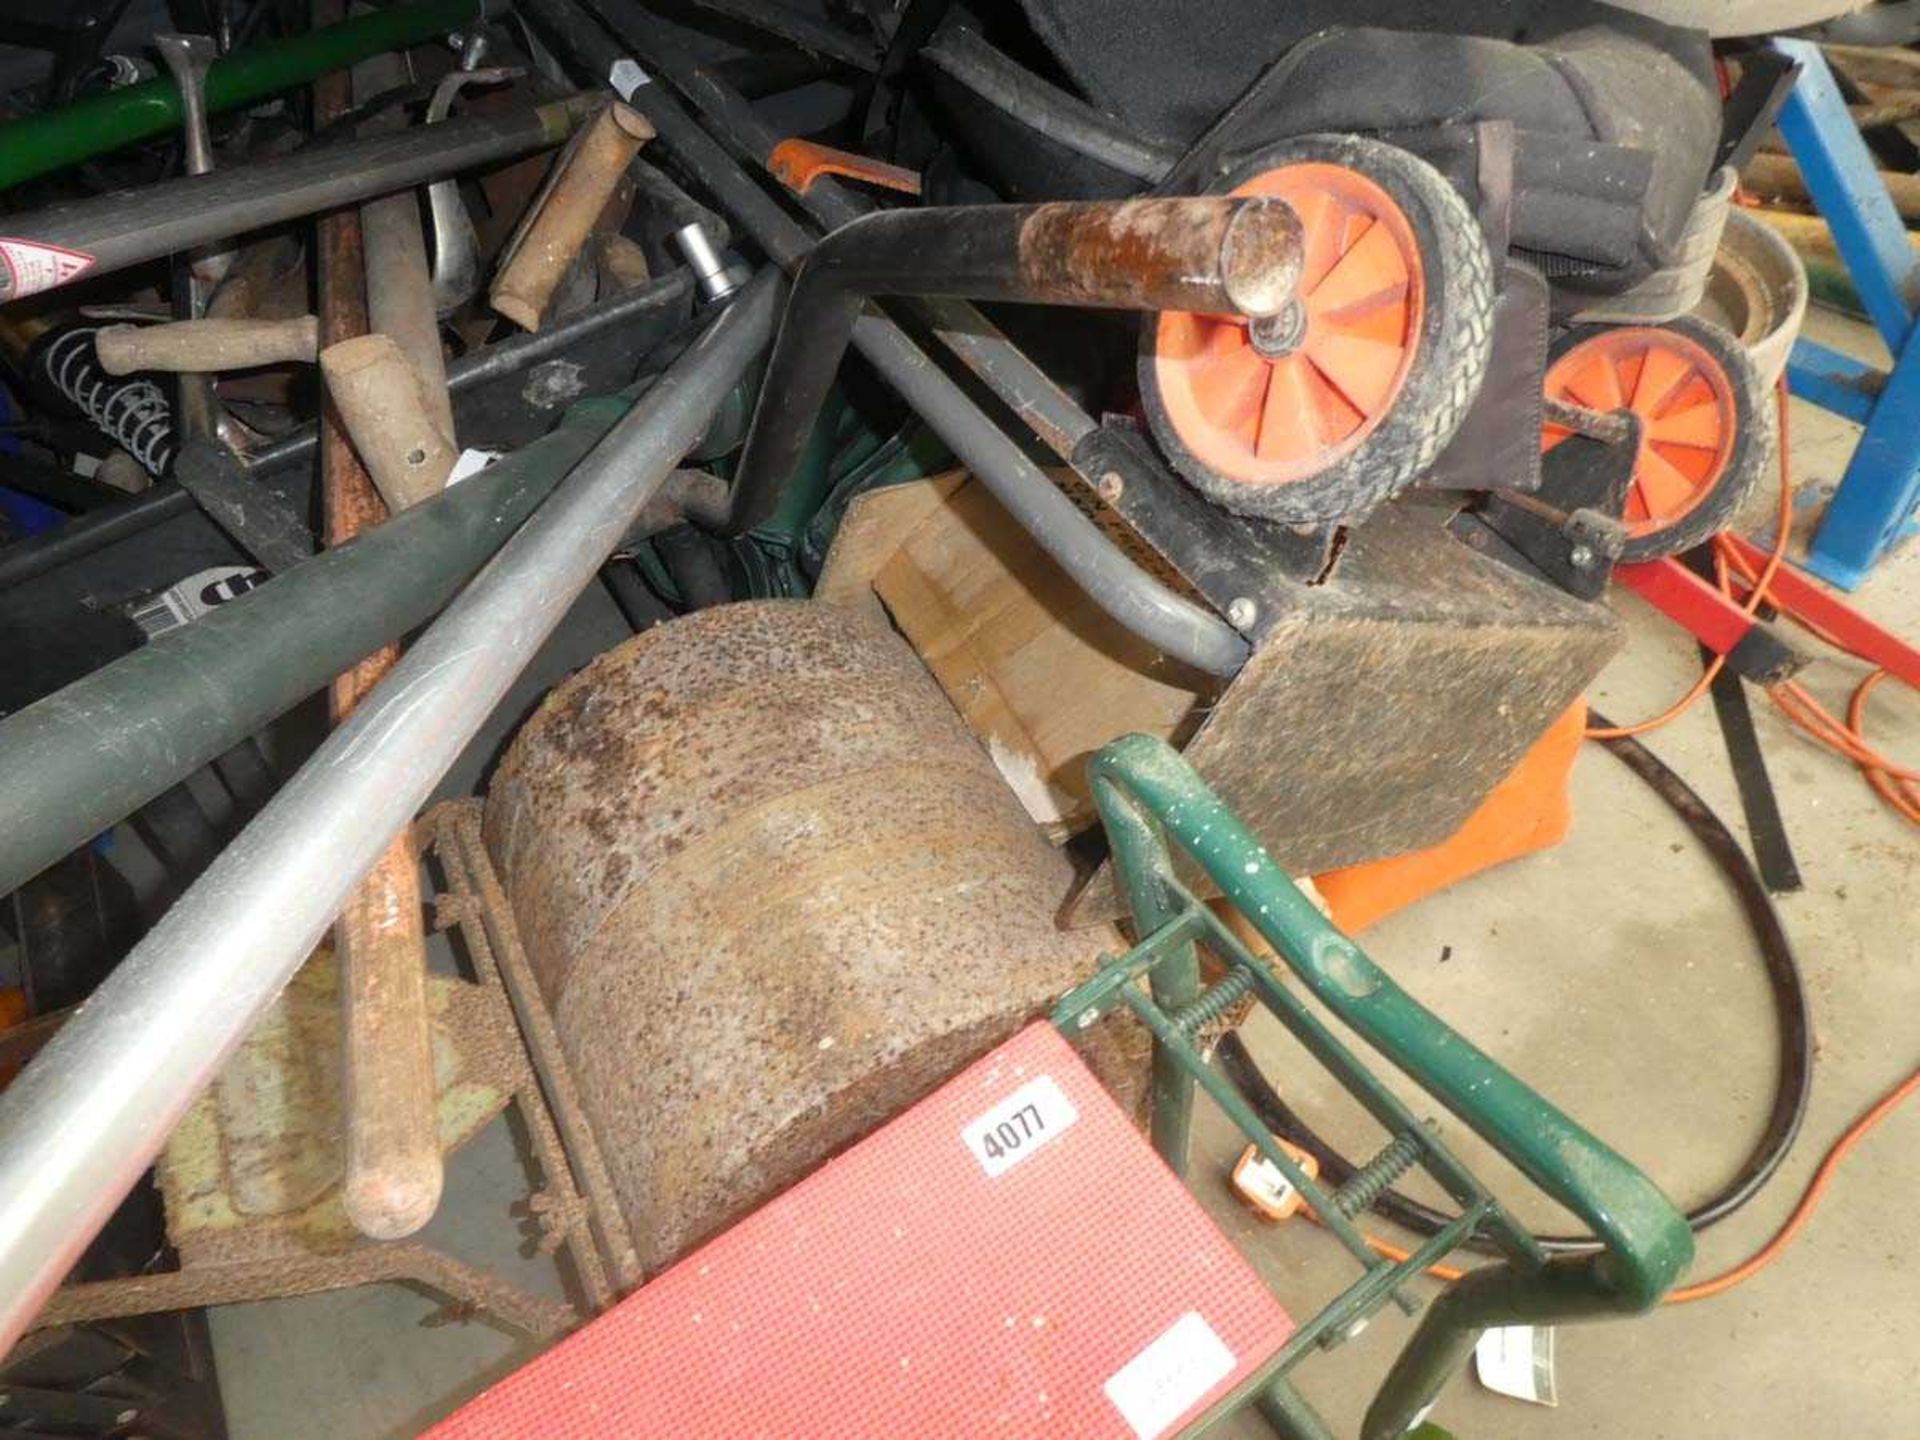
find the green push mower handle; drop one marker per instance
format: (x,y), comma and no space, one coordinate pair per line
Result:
(1147,795)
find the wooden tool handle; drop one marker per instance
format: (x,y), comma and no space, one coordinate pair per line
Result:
(587,175)
(383,404)
(394,1170)
(202,347)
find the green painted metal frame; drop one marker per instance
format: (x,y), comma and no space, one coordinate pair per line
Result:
(1149,797)
(57,138)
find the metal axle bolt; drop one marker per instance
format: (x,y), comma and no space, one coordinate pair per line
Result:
(1280,334)
(1242,612)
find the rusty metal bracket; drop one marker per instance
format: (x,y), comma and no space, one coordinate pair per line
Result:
(507,1046)
(486,924)
(796,164)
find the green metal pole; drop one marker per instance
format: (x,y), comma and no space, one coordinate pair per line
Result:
(1288,1412)
(84,757)
(57,138)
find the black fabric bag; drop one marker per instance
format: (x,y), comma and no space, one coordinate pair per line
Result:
(1607,122)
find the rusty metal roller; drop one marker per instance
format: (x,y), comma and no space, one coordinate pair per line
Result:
(774,892)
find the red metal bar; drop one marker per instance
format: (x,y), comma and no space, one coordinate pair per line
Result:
(1799,596)
(1751,648)
(1689,601)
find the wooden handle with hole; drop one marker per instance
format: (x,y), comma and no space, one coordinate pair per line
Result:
(382,402)
(587,174)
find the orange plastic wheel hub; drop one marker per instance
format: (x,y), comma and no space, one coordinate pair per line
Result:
(1283,405)
(1686,405)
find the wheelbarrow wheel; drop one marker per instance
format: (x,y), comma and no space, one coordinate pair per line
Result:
(1706,427)
(1336,405)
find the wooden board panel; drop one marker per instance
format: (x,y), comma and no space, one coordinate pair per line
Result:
(1040,674)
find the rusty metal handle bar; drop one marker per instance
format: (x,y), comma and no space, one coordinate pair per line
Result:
(1169,621)
(1211,253)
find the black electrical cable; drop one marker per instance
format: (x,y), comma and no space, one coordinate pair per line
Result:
(1791,1092)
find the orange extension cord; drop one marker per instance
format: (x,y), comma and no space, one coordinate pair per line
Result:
(1898,785)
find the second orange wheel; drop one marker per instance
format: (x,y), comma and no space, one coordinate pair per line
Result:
(1702,423)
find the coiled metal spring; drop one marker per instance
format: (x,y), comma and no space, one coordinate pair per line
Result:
(134,413)
(1370,1181)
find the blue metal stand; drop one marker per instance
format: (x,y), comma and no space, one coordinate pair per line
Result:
(1877,497)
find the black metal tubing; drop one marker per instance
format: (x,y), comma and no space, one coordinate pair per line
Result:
(35,555)
(59,488)
(123,519)
(1065,119)
(508,357)
(816,37)
(130,227)
(1206,253)
(1140,603)
(974,339)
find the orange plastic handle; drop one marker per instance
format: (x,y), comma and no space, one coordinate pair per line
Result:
(798,163)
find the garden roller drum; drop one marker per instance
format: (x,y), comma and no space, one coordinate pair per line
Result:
(774,893)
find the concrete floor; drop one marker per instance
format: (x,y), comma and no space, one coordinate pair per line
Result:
(1615,973)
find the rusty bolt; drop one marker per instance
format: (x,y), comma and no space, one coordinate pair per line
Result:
(449,911)
(1111,487)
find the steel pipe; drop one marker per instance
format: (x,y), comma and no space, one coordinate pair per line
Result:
(1054,415)
(62,243)
(84,757)
(1204,253)
(57,138)
(91,1111)
(1166,620)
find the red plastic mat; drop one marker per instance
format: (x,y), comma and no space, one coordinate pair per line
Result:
(1009,1257)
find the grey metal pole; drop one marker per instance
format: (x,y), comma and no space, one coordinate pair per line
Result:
(74,762)
(90,1112)
(78,239)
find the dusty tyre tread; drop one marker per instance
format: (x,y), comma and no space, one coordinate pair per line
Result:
(1456,345)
